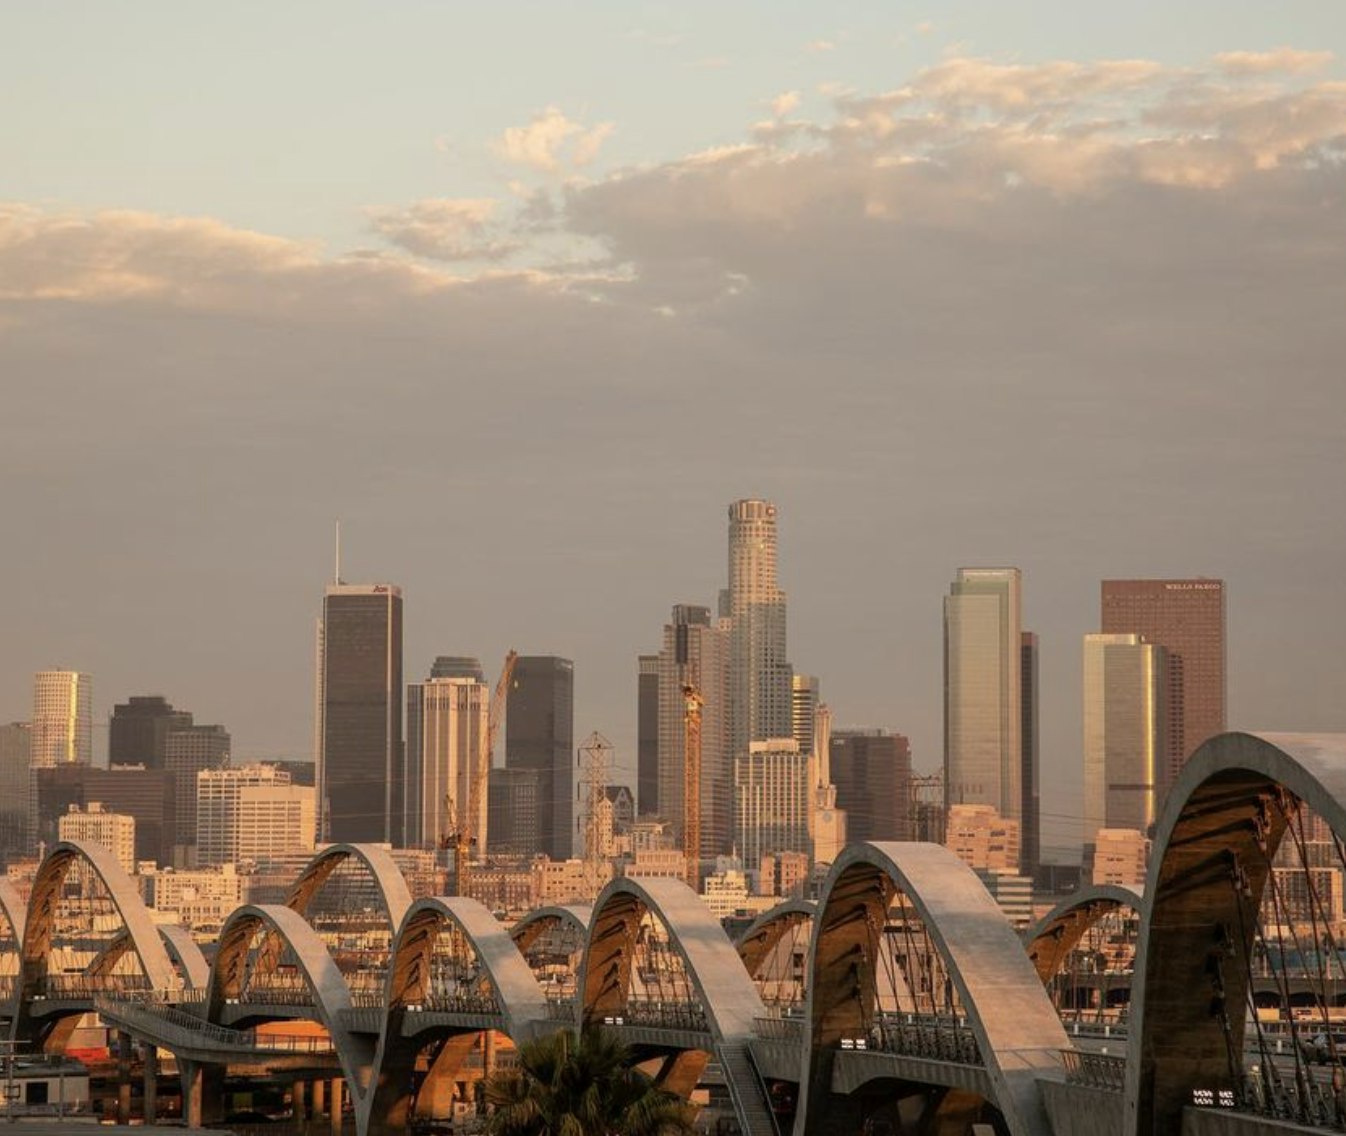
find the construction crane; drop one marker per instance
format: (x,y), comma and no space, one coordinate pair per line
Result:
(461,831)
(691,782)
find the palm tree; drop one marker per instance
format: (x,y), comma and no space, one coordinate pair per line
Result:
(584,1088)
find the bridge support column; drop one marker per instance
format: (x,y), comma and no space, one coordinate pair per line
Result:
(299,1101)
(151,1082)
(335,1106)
(123,1077)
(318,1098)
(202,1093)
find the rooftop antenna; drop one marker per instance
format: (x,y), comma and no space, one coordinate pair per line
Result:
(337,577)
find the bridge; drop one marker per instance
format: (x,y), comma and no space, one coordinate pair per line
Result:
(901,1001)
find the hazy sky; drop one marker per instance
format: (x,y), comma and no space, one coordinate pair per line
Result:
(527,293)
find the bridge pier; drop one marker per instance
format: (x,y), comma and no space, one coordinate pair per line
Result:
(335,1105)
(151,1082)
(318,1098)
(123,1077)
(202,1093)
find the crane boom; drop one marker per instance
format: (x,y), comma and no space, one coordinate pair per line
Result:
(691,783)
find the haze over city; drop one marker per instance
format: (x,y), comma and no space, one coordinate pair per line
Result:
(526,297)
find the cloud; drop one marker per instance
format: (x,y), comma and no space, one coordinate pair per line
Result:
(784,103)
(551,141)
(1283,60)
(447,229)
(818,46)
(115,254)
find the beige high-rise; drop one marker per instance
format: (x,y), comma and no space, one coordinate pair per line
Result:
(760,694)
(983,698)
(1125,681)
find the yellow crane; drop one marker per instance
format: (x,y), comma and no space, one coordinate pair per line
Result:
(691,783)
(461,832)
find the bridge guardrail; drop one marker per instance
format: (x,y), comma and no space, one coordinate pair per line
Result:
(152,1017)
(1095,1070)
(937,1038)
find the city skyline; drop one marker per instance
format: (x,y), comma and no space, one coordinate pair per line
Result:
(960,287)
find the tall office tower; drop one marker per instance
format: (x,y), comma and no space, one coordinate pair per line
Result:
(1187,618)
(187,751)
(139,728)
(1030,775)
(540,736)
(446,738)
(14,758)
(1125,732)
(360,771)
(252,813)
(805,698)
(983,696)
(760,689)
(647,734)
(696,651)
(872,772)
(771,797)
(62,728)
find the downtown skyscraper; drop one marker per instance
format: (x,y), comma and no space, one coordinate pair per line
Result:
(760,676)
(1186,618)
(987,758)
(1125,732)
(446,759)
(540,756)
(358,735)
(62,726)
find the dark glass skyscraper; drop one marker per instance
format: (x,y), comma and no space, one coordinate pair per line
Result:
(647,734)
(138,730)
(360,770)
(540,736)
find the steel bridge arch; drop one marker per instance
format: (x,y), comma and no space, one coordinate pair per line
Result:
(1217,832)
(764,933)
(523,1006)
(1018,1031)
(533,925)
(1051,939)
(394,895)
(721,982)
(325,982)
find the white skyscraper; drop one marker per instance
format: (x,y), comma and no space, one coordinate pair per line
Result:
(760,693)
(62,730)
(771,798)
(695,650)
(983,729)
(446,726)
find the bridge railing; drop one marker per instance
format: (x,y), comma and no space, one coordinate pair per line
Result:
(936,1037)
(1313,1103)
(151,1017)
(665,1015)
(773,1028)
(81,987)
(1095,1070)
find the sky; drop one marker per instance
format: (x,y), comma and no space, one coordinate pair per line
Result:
(526,294)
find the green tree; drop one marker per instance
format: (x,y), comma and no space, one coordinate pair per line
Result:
(588,1087)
